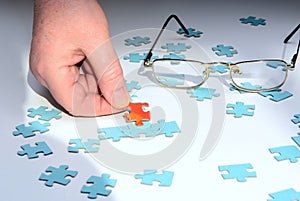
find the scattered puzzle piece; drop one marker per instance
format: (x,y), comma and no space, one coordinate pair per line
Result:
(237,171)
(29,131)
(285,195)
(87,146)
(137,41)
(32,151)
(114,133)
(168,128)
(239,109)
(203,93)
(191,32)
(276,95)
(276,64)
(221,50)
(57,175)
(180,47)
(98,186)
(289,152)
(253,21)
(174,56)
(297,119)
(165,179)
(133,85)
(137,113)
(296,139)
(218,68)
(246,85)
(44,113)
(171,79)
(137,57)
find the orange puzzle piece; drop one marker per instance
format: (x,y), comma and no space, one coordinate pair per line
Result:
(137,113)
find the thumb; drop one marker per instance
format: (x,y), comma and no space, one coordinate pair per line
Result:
(105,65)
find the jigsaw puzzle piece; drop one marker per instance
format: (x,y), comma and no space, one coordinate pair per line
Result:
(57,175)
(221,50)
(174,56)
(114,133)
(253,21)
(180,47)
(276,95)
(191,32)
(276,64)
(88,146)
(44,114)
(32,151)
(168,128)
(202,93)
(239,109)
(297,119)
(171,79)
(289,152)
(98,186)
(137,41)
(285,195)
(165,179)
(29,131)
(133,85)
(237,171)
(137,113)
(219,69)
(246,85)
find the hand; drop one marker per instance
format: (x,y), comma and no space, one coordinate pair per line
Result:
(64,34)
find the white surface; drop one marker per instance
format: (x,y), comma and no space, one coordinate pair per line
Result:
(244,140)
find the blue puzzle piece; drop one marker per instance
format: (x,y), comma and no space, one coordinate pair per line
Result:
(57,175)
(174,56)
(114,133)
(221,50)
(253,21)
(296,139)
(44,114)
(137,41)
(137,58)
(239,109)
(171,79)
(285,195)
(148,129)
(246,85)
(191,32)
(165,179)
(168,128)
(29,131)
(133,85)
(218,68)
(276,64)
(203,93)
(87,146)
(276,95)
(297,119)
(237,171)
(289,152)
(180,47)
(32,151)
(98,186)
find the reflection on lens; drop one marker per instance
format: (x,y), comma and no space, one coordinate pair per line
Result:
(259,75)
(178,73)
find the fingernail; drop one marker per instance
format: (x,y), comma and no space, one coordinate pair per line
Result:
(120,97)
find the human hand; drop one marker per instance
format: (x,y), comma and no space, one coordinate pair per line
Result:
(64,34)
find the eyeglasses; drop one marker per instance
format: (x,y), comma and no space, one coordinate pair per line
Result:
(250,76)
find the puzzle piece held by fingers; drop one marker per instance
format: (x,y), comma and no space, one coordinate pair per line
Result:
(137,113)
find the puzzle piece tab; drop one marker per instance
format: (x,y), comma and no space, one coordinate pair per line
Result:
(221,50)
(29,131)
(289,152)
(202,93)
(191,32)
(32,151)
(165,179)
(240,109)
(276,95)
(137,113)
(137,41)
(285,195)
(237,171)
(44,114)
(57,175)
(88,146)
(180,47)
(253,21)
(98,186)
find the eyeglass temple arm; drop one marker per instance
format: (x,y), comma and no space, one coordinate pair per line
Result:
(149,55)
(286,40)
